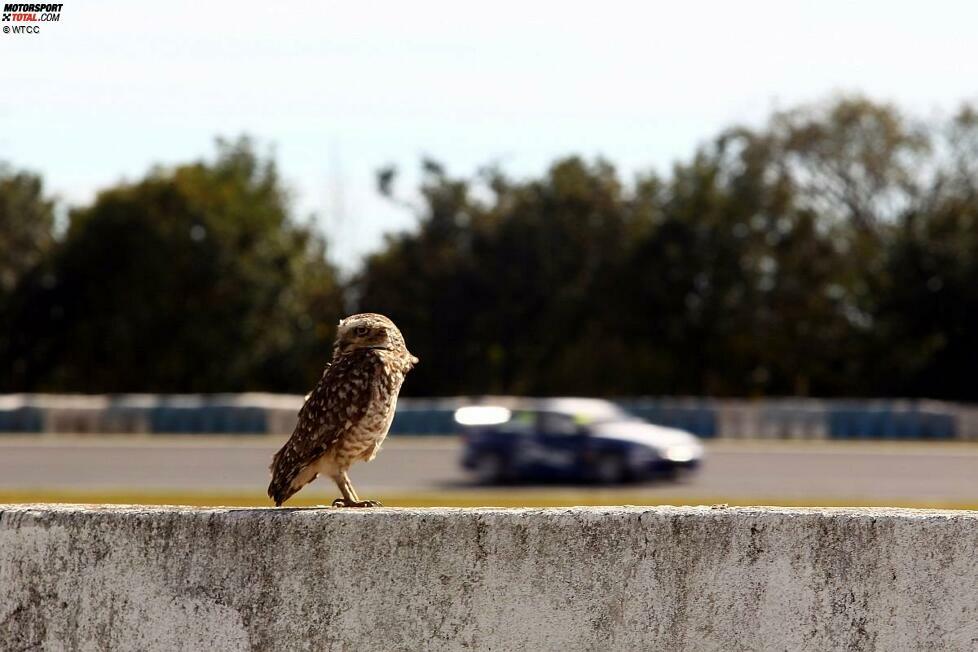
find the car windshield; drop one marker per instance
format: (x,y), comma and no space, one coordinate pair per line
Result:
(589,411)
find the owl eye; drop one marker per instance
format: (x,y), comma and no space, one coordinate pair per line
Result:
(360,331)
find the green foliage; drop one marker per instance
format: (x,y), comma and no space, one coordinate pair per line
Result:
(928,312)
(791,259)
(831,251)
(26,225)
(192,279)
(26,238)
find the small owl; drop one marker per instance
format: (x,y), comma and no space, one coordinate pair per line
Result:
(346,417)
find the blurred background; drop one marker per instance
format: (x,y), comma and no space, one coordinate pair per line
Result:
(754,224)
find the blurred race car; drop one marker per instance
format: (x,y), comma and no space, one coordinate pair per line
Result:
(570,439)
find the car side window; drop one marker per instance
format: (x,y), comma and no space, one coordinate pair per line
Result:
(521,422)
(557,424)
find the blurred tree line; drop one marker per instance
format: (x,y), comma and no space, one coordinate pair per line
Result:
(194,279)
(831,251)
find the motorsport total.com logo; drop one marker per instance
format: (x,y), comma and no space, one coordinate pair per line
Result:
(29,14)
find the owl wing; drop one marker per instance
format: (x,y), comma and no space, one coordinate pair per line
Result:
(336,405)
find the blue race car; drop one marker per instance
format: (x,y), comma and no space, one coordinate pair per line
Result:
(570,440)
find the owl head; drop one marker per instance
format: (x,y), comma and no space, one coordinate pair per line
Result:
(371,331)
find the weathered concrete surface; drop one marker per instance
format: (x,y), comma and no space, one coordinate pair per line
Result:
(135,578)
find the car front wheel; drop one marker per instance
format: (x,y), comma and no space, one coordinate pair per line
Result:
(610,469)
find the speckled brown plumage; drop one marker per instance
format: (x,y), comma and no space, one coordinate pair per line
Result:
(348,414)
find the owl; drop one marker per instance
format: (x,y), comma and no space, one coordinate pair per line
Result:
(346,417)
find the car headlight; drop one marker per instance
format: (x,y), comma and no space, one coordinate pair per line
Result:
(680,453)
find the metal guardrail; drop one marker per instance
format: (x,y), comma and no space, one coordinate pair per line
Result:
(787,418)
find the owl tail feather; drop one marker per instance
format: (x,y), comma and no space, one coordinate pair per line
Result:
(286,482)
(277,488)
(282,487)
(279,491)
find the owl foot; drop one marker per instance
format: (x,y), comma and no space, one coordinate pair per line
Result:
(343,502)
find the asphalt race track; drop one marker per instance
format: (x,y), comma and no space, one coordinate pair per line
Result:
(760,471)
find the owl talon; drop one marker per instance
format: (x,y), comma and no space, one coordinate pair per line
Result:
(343,502)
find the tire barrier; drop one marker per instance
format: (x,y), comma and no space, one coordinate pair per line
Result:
(698,416)
(788,418)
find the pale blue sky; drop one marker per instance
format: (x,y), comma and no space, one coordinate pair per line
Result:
(341,89)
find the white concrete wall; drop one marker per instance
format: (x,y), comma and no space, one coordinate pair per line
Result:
(140,578)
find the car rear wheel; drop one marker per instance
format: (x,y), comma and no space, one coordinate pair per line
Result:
(489,468)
